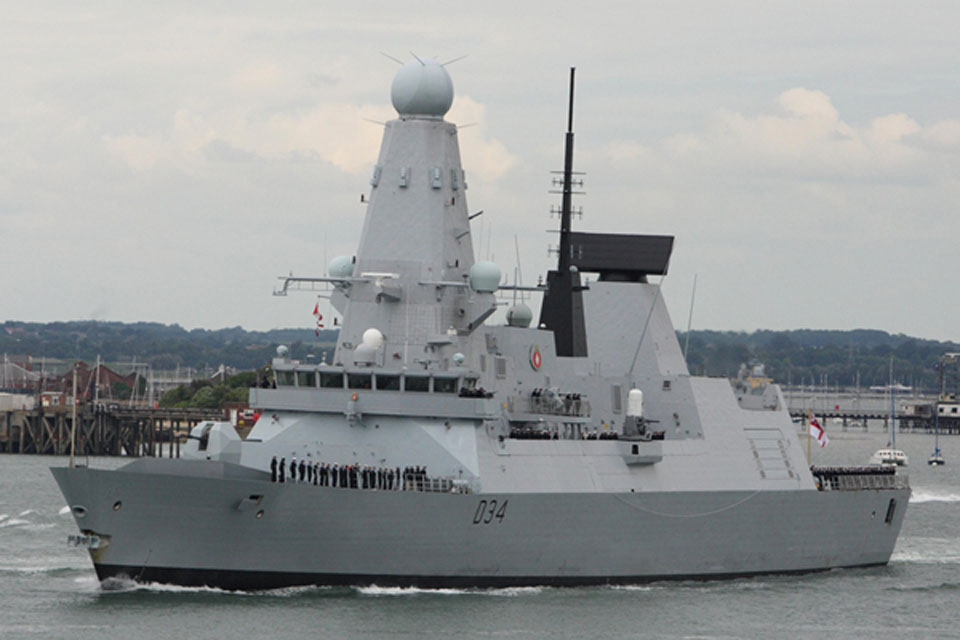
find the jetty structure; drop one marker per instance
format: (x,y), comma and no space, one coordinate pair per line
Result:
(440,449)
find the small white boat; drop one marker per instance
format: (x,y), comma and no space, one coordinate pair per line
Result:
(888,457)
(936,458)
(891,456)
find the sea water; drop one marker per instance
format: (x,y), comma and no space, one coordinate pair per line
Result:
(49,590)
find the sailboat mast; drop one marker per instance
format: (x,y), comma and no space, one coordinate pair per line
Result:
(893,414)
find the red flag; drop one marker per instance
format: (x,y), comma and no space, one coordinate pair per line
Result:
(316,308)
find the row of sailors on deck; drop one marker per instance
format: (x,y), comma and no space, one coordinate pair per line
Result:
(568,434)
(539,392)
(348,476)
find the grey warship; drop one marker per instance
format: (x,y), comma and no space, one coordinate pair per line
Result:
(573,450)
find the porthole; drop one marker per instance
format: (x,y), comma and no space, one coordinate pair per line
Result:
(259,514)
(117,505)
(79,510)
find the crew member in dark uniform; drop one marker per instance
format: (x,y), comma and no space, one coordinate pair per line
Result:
(293,469)
(273,469)
(283,468)
(303,470)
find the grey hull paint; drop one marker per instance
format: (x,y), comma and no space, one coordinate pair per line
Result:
(187,529)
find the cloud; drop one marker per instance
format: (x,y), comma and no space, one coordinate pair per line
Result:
(483,156)
(261,75)
(804,139)
(343,135)
(943,135)
(140,152)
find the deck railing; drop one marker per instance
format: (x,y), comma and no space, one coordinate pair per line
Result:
(858,478)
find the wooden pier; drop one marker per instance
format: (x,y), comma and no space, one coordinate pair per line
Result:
(907,421)
(104,431)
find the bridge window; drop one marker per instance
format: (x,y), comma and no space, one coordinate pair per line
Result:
(360,380)
(306,379)
(284,378)
(416,383)
(445,385)
(388,382)
(331,380)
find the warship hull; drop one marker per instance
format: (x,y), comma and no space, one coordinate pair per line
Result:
(565,456)
(220,525)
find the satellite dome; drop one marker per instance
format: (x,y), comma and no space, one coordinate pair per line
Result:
(282,351)
(485,277)
(422,88)
(459,359)
(519,315)
(373,338)
(341,267)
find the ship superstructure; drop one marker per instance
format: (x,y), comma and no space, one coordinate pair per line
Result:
(441,449)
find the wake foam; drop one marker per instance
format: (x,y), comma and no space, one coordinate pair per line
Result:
(927,551)
(120,585)
(943,586)
(921,496)
(504,592)
(128,585)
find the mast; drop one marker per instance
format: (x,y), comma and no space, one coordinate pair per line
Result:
(73,419)
(566,202)
(562,309)
(893,412)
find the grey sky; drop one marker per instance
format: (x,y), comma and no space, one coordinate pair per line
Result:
(166,162)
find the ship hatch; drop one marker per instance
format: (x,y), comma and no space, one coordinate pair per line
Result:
(891,509)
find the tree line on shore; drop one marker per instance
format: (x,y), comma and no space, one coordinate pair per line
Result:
(804,356)
(163,347)
(822,357)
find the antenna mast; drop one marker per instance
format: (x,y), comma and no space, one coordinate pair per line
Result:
(565,205)
(562,309)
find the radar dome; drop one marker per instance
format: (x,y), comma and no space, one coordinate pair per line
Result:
(422,88)
(373,338)
(282,351)
(459,359)
(341,267)
(519,315)
(484,277)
